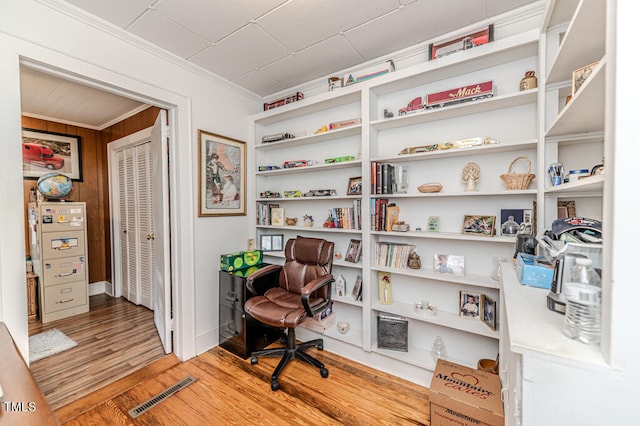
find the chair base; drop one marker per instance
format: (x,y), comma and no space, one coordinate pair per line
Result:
(290,352)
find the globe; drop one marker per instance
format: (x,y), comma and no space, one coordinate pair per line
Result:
(54,186)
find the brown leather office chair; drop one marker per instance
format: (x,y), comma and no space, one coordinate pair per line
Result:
(304,291)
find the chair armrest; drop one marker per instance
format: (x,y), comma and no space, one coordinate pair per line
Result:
(262,272)
(315,285)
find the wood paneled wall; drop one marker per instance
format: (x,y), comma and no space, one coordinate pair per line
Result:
(94,189)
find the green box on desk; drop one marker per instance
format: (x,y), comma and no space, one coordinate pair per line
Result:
(534,271)
(240,260)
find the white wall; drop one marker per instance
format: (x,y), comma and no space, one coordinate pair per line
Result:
(42,34)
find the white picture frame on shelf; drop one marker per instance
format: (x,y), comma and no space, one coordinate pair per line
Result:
(470,305)
(341,286)
(448,264)
(354,250)
(356,293)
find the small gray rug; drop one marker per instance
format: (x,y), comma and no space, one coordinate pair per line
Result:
(48,343)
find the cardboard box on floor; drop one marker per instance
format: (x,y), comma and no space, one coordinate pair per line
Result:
(465,396)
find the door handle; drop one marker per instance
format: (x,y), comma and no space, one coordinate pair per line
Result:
(151,236)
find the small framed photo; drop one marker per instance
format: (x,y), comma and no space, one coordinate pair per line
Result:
(479,225)
(356,293)
(581,75)
(470,305)
(489,312)
(355,186)
(433,224)
(448,264)
(353,251)
(567,209)
(271,242)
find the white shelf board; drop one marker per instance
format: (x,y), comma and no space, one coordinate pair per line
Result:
(534,329)
(352,336)
(445,236)
(469,279)
(347,300)
(443,319)
(458,110)
(329,198)
(297,228)
(311,139)
(333,99)
(585,112)
(588,23)
(489,55)
(415,356)
(558,12)
(459,194)
(589,185)
(460,152)
(307,169)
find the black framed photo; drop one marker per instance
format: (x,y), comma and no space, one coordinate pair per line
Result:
(489,312)
(45,152)
(353,251)
(271,242)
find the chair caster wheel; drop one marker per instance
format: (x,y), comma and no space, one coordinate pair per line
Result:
(275,385)
(324,373)
(320,346)
(254,360)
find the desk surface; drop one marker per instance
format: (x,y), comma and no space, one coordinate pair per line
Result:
(22,402)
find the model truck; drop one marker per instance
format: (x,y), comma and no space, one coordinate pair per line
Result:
(41,156)
(415,105)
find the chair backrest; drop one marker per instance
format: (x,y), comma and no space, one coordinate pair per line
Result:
(305,260)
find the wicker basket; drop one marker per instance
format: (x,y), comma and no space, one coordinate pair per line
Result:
(518,180)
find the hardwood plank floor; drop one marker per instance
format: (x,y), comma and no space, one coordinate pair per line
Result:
(115,338)
(231,391)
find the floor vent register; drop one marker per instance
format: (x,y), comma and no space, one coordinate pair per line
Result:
(152,402)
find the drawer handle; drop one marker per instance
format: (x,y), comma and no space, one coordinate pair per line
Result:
(66,300)
(66,274)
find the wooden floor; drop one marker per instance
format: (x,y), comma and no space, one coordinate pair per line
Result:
(115,338)
(230,391)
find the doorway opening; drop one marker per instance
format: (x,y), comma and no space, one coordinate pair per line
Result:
(100,194)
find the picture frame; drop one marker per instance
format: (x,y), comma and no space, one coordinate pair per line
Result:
(45,152)
(580,75)
(356,293)
(341,286)
(385,296)
(489,312)
(355,186)
(465,42)
(433,224)
(479,225)
(470,305)
(271,242)
(448,264)
(354,250)
(568,207)
(221,175)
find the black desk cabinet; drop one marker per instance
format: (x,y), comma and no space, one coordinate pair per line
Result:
(239,333)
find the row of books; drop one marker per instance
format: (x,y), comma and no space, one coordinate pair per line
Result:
(348,217)
(343,217)
(393,255)
(382,178)
(378,212)
(270,214)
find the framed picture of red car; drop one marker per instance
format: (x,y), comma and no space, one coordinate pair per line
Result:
(45,152)
(465,42)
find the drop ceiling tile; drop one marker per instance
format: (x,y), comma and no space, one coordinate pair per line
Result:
(157,29)
(240,53)
(301,23)
(260,83)
(420,21)
(314,62)
(215,19)
(118,12)
(496,7)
